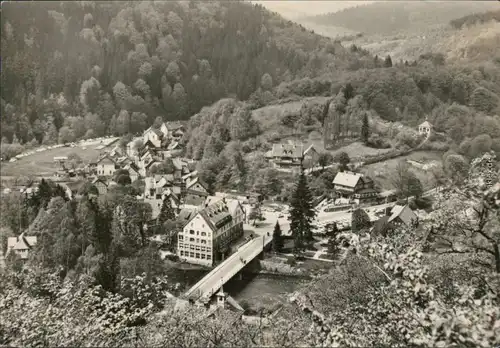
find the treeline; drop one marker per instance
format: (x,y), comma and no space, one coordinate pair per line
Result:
(476,18)
(394,17)
(84,69)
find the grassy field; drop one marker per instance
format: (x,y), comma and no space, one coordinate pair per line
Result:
(269,116)
(382,172)
(42,163)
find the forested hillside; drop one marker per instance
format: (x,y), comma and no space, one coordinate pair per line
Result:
(394,17)
(84,69)
(474,37)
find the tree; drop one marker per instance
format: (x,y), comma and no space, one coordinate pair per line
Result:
(302,213)
(166,212)
(467,218)
(388,62)
(343,159)
(405,181)
(484,100)
(414,186)
(359,220)
(277,238)
(365,128)
(324,159)
(456,167)
(266,82)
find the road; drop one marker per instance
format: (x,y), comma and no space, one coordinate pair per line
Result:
(227,269)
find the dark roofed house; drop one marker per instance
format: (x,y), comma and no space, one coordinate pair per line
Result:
(291,156)
(355,186)
(403,215)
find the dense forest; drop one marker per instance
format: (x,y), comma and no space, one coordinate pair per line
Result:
(395,17)
(84,69)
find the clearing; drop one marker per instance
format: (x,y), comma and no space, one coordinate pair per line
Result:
(42,163)
(382,172)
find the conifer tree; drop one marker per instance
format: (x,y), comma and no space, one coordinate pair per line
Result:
(302,213)
(277,238)
(359,220)
(365,129)
(166,212)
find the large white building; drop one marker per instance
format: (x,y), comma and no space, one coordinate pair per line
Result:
(209,230)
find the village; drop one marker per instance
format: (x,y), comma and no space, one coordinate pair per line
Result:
(212,224)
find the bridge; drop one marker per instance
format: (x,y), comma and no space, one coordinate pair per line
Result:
(213,281)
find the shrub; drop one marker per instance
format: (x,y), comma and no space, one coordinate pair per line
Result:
(377,142)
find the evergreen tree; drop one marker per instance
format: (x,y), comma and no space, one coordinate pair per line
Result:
(302,213)
(333,244)
(365,129)
(359,220)
(277,238)
(388,62)
(166,212)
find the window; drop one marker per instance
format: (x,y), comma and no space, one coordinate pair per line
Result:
(181,245)
(197,233)
(197,240)
(191,232)
(197,255)
(180,236)
(203,234)
(203,256)
(203,241)
(182,252)
(209,257)
(191,239)
(191,254)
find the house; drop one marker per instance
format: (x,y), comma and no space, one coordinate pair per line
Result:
(209,231)
(153,136)
(291,156)
(133,171)
(73,188)
(132,150)
(355,186)
(403,215)
(100,185)
(21,245)
(176,130)
(425,128)
(197,184)
(106,166)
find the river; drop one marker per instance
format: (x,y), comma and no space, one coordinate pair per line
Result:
(266,292)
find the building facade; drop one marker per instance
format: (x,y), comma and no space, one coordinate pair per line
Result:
(21,245)
(425,128)
(355,186)
(210,229)
(106,166)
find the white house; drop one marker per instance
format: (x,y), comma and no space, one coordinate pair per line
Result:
(425,128)
(21,245)
(106,166)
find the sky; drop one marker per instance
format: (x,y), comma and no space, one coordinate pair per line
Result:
(292,9)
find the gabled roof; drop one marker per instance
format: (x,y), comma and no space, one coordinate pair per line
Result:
(404,213)
(97,179)
(186,214)
(106,157)
(425,124)
(158,132)
(22,242)
(216,215)
(174,146)
(348,179)
(287,150)
(194,181)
